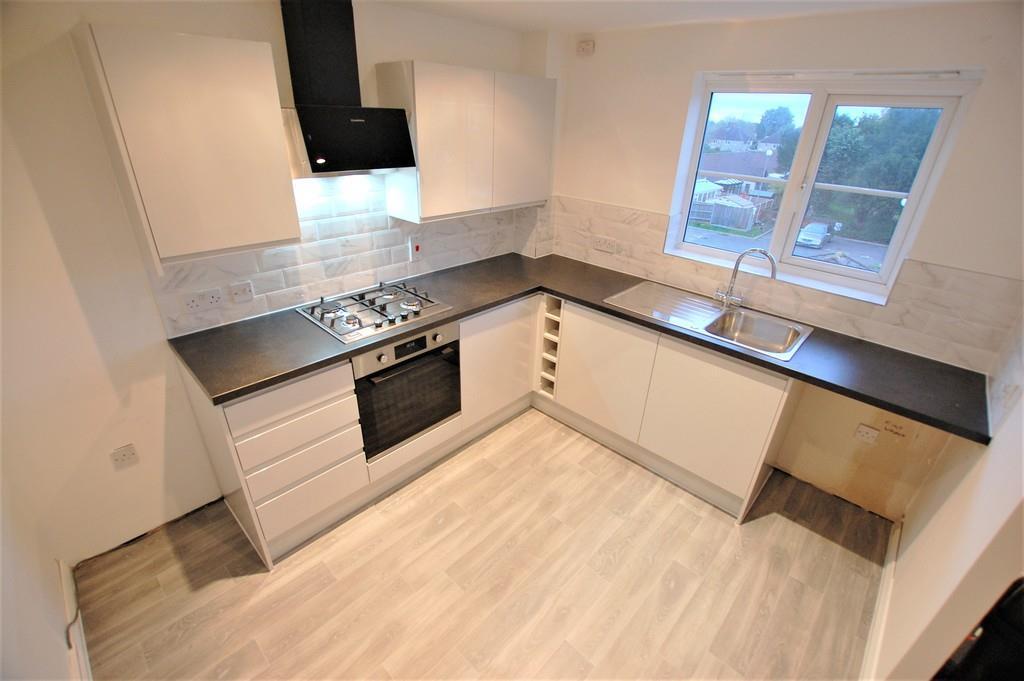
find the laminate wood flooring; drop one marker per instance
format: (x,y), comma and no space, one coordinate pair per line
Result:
(532,553)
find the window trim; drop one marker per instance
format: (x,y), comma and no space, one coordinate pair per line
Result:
(899,244)
(827,90)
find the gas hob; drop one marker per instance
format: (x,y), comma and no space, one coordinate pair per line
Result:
(355,316)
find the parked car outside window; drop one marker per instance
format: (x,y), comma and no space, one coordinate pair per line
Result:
(814,235)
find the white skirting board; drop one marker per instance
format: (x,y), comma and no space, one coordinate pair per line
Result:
(696,486)
(78,655)
(869,667)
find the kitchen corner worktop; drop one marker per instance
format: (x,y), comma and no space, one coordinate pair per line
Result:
(241,358)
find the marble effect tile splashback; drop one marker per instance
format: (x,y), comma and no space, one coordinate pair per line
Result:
(954,316)
(348,242)
(1006,380)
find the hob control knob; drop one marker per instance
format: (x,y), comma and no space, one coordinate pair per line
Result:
(383,358)
(378,323)
(438,338)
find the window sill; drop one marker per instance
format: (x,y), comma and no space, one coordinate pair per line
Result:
(876,294)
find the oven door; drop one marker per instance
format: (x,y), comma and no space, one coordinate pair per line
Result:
(408,398)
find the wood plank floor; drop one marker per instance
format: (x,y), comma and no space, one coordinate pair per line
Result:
(533,553)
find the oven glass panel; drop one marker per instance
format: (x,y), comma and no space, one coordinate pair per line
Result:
(399,402)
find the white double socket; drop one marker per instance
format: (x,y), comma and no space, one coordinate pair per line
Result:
(202,300)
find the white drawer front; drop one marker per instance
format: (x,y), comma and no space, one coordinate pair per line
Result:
(286,472)
(278,403)
(382,465)
(283,512)
(290,435)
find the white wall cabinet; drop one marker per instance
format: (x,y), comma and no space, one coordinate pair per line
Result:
(195,123)
(524,130)
(711,415)
(498,351)
(454,141)
(483,139)
(604,369)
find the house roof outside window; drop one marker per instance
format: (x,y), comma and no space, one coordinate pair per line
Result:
(755,163)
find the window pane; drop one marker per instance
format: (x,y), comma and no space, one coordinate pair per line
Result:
(852,230)
(876,147)
(733,215)
(747,135)
(870,147)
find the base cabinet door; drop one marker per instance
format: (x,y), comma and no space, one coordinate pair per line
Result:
(497,351)
(710,414)
(604,368)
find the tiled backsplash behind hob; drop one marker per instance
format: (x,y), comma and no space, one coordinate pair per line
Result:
(348,242)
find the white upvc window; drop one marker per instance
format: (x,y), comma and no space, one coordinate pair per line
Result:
(830,172)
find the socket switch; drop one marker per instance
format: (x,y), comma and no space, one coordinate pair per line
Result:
(866,433)
(125,455)
(241,292)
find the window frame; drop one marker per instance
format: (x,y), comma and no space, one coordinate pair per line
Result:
(949,90)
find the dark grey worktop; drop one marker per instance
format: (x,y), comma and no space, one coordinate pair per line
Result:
(241,358)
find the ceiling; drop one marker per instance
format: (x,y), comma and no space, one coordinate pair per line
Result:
(602,15)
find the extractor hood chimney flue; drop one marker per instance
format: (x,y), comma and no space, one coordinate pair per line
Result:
(338,133)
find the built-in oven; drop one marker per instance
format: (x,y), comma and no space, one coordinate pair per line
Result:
(406,388)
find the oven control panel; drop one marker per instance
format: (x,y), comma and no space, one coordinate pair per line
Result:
(375,360)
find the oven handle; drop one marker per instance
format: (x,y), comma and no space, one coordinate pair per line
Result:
(377,380)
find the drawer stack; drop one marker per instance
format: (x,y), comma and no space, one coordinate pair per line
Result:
(300,449)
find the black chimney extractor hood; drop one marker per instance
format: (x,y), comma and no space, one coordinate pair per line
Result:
(339,133)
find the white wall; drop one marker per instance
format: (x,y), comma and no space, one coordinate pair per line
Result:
(625,111)
(961,547)
(387,33)
(85,364)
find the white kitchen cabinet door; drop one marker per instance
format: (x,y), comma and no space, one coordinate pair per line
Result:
(710,414)
(524,128)
(604,369)
(454,138)
(497,353)
(483,139)
(200,122)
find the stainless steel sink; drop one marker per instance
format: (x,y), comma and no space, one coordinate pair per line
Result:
(756,331)
(779,338)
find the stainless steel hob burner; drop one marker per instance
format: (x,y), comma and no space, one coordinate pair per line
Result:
(354,316)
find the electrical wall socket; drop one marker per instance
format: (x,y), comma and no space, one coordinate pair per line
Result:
(415,251)
(240,293)
(605,244)
(585,47)
(202,300)
(124,455)
(866,434)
